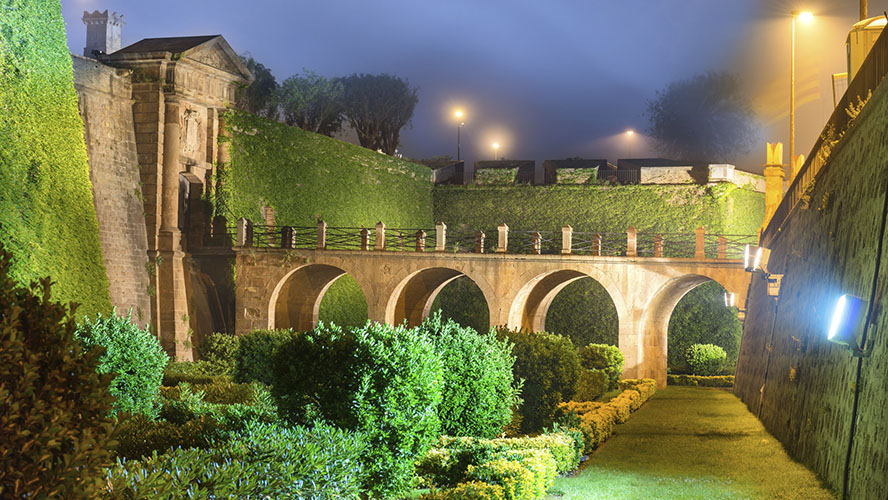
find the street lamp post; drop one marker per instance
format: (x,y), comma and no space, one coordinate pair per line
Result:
(805,17)
(630,135)
(460,123)
(495,150)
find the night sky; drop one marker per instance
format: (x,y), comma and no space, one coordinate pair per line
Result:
(546,79)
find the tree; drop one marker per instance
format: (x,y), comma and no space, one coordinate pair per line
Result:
(312,102)
(260,97)
(702,118)
(378,107)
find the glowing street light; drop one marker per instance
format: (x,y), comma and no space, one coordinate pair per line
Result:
(495,149)
(630,132)
(459,120)
(805,17)
(630,136)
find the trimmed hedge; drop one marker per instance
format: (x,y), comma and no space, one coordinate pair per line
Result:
(706,359)
(606,358)
(591,385)
(479,390)
(597,420)
(47,217)
(135,358)
(255,354)
(220,350)
(550,367)
(305,176)
(512,468)
(193,372)
(382,381)
(701,381)
(262,461)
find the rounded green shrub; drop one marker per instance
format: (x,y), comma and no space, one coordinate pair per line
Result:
(550,367)
(255,352)
(55,420)
(220,350)
(706,359)
(133,355)
(591,385)
(479,389)
(382,381)
(607,358)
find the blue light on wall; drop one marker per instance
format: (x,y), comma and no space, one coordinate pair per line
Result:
(848,319)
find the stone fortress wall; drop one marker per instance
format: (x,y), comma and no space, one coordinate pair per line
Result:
(105,96)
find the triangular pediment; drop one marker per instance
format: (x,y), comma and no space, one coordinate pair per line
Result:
(218,54)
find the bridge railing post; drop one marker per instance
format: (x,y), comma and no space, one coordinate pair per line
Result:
(479,241)
(440,237)
(322,235)
(566,239)
(537,240)
(380,236)
(658,245)
(502,245)
(244,233)
(365,239)
(632,242)
(288,237)
(596,245)
(700,243)
(420,240)
(722,247)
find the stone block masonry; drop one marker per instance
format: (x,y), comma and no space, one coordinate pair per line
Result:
(802,386)
(106,108)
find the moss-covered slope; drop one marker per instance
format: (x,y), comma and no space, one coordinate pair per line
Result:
(47,217)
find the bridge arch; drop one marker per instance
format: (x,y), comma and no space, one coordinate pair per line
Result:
(412,298)
(654,327)
(532,301)
(296,298)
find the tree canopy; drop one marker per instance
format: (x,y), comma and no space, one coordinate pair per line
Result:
(312,102)
(705,117)
(377,108)
(260,97)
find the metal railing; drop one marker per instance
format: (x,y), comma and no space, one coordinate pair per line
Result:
(620,176)
(630,243)
(868,77)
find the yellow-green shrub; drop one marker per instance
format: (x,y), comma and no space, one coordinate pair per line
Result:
(702,381)
(472,490)
(646,387)
(523,475)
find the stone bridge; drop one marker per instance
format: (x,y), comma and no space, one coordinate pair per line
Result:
(279,285)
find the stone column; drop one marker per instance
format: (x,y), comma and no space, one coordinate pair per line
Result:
(503,241)
(774,174)
(440,237)
(632,242)
(173,321)
(700,243)
(566,240)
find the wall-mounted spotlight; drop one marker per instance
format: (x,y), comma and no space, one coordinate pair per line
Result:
(729,299)
(848,319)
(756,258)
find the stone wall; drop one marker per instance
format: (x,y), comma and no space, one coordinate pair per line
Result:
(802,386)
(106,108)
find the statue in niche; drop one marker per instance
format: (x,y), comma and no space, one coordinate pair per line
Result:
(192,131)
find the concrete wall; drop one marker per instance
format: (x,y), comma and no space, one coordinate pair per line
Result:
(802,386)
(107,111)
(666,175)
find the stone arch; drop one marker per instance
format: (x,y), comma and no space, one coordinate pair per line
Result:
(412,298)
(296,299)
(655,323)
(532,301)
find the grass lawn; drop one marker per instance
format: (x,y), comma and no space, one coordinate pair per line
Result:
(691,443)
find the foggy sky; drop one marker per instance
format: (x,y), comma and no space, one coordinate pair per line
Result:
(546,79)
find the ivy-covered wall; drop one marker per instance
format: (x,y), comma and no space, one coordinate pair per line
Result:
(305,176)
(723,208)
(47,217)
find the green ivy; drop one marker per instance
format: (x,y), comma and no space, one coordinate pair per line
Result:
(47,217)
(305,176)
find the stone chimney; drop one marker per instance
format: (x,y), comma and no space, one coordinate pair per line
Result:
(774,174)
(102,32)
